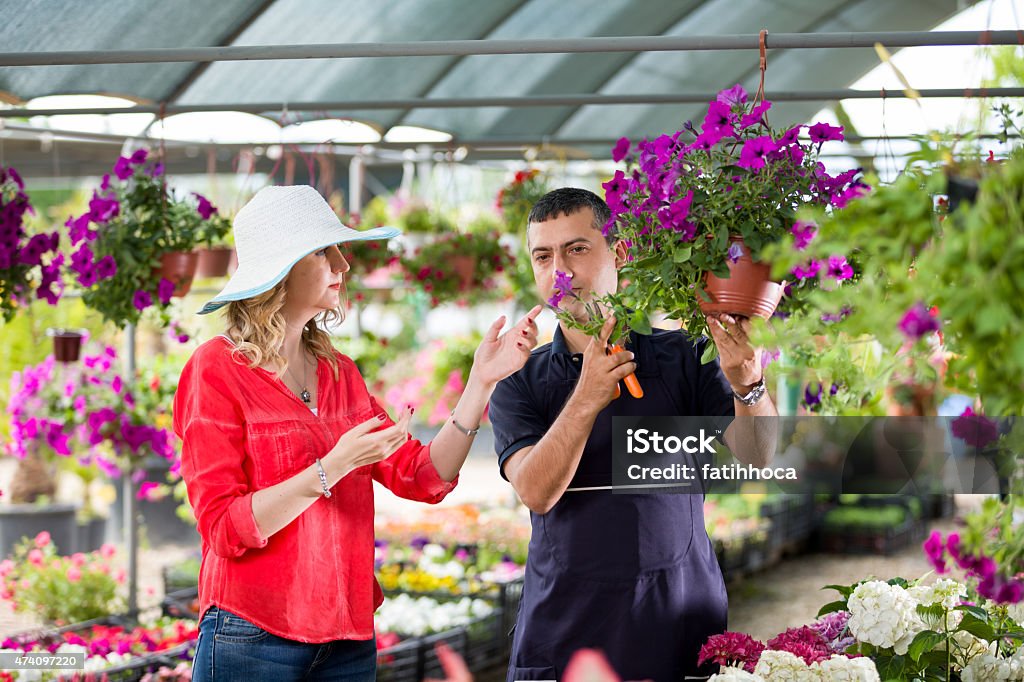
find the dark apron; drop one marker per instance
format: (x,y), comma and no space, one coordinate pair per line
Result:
(632,575)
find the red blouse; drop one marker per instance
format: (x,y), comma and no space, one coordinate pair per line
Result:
(243,430)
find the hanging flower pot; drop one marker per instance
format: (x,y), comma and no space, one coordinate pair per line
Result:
(179,267)
(214,262)
(67,343)
(749,290)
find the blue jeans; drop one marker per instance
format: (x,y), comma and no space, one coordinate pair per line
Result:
(232,648)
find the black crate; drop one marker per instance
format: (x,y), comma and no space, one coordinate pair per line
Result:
(877,541)
(456,639)
(133,671)
(401,662)
(485,642)
(774,512)
(181,604)
(176,579)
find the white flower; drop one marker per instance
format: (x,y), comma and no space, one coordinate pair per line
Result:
(1016,611)
(843,669)
(989,668)
(884,615)
(735,675)
(433,551)
(782,666)
(945,592)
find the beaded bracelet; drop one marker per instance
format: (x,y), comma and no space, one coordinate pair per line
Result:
(323,478)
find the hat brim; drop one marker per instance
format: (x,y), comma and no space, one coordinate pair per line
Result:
(228,293)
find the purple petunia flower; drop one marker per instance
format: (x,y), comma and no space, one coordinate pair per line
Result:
(673,215)
(804,233)
(823,132)
(917,322)
(106,267)
(142,300)
(812,398)
(733,96)
(102,209)
(808,272)
(754,151)
(156,171)
(87,276)
(620,149)
(735,252)
(719,119)
(123,168)
(613,191)
(974,429)
(138,156)
(839,269)
(563,288)
(205,208)
(165,290)
(935,549)
(756,115)
(789,137)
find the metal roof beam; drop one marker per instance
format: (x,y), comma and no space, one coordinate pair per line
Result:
(891,39)
(522,101)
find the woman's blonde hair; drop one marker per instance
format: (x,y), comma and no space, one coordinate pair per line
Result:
(257,327)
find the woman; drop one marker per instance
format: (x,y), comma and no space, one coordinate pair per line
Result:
(280,442)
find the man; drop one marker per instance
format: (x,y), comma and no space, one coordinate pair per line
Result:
(632,574)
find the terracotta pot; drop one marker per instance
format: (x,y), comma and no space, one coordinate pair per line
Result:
(67,344)
(179,267)
(214,262)
(465,268)
(749,290)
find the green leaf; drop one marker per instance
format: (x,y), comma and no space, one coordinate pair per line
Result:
(640,323)
(682,254)
(831,607)
(892,668)
(924,642)
(845,590)
(976,611)
(977,628)
(709,354)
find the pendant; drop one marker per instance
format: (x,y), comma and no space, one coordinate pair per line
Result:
(306,397)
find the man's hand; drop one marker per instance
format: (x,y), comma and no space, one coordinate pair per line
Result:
(741,362)
(601,372)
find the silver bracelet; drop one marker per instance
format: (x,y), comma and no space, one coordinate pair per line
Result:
(323,478)
(463,429)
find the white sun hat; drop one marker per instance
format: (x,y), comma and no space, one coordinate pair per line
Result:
(278,227)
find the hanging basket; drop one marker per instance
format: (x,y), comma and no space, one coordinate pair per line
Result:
(464,268)
(214,262)
(180,268)
(748,291)
(67,343)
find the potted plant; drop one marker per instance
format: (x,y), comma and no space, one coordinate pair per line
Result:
(456,266)
(22,255)
(515,201)
(696,208)
(217,250)
(134,247)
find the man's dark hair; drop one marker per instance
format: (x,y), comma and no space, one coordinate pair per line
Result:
(569,200)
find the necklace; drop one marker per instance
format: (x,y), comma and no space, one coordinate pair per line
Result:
(304,394)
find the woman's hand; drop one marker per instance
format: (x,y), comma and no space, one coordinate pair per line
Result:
(361,445)
(499,356)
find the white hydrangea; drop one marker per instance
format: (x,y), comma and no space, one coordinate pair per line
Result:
(843,669)
(735,675)
(1016,612)
(967,646)
(989,668)
(782,666)
(409,615)
(884,615)
(945,592)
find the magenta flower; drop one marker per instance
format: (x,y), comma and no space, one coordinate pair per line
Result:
(123,168)
(935,550)
(102,209)
(156,171)
(165,290)
(974,429)
(756,115)
(673,215)
(839,269)
(854,191)
(106,267)
(731,648)
(805,642)
(719,118)
(789,137)
(205,208)
(754,151)
(620,149)
(808,272)
(142,300)
(733,96)
(563,288)
(138,156)
(917,322)
(613,191)
(823,132)
(78,229)
(804,233)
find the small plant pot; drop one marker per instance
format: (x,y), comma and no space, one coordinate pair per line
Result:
(214,262)
(180,268)
(67,343)
(748,291)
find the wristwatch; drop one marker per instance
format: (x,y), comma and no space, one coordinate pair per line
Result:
(756,393)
